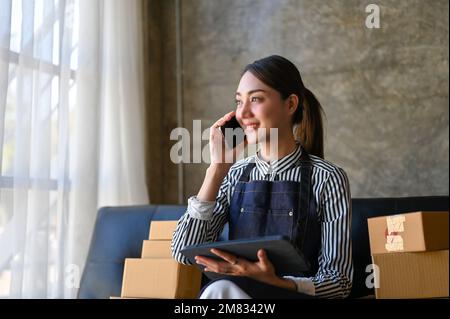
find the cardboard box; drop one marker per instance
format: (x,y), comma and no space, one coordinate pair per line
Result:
(162,230)
(412,275)
(410,232)
(160,278)
(156,249)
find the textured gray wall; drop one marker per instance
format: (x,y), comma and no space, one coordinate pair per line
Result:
(384,91)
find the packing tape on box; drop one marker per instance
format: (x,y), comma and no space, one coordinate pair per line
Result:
(395,225)
(394,243)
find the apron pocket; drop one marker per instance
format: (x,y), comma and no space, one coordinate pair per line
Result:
(250,224)
(257,222)
(280,222)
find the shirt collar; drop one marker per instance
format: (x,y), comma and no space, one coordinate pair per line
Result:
(280,165)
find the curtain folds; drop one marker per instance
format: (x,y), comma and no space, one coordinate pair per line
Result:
(71,134)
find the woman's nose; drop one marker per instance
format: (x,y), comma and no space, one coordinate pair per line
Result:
(246,111)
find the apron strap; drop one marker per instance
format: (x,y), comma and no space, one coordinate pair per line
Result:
(245,177)
(305,193)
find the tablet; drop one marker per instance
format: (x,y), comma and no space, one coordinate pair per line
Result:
(286,259)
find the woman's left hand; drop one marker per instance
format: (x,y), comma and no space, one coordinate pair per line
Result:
(262,270)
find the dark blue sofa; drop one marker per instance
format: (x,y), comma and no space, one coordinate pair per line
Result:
(120,231)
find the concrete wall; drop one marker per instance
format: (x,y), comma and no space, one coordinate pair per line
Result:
(384,91)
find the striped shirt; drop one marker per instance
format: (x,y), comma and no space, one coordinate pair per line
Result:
(204,221)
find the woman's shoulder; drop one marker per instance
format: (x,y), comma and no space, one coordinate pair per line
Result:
(326,166)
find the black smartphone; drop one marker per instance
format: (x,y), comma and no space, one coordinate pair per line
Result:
(233,132)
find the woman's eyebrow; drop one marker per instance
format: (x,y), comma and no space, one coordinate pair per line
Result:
(252,91)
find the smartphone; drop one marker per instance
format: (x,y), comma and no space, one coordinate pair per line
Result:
(233,132)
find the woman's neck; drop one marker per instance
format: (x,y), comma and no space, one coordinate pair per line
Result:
(286,145)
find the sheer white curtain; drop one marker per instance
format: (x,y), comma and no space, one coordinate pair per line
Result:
(71,134)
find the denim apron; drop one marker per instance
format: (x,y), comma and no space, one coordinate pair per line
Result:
(265,208)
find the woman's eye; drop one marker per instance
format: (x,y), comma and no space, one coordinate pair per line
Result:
(237,102)
(256,98)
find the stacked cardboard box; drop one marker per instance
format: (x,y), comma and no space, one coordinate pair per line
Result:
(410,254)
(156,274)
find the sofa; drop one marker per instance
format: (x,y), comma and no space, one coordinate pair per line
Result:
(120,231)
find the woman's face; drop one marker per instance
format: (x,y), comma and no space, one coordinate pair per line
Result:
(259,108)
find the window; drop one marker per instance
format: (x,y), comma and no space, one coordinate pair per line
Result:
(38,68)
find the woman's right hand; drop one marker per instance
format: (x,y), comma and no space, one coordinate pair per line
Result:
(222,158)
(221,154)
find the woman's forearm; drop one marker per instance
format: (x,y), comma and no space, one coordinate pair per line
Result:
(213,179)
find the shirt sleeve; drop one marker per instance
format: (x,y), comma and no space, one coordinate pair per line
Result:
(335,274)
(203,221)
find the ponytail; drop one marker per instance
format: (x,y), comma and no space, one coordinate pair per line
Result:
(309,129)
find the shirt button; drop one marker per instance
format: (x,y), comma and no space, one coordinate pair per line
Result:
(290,213)
(242,209)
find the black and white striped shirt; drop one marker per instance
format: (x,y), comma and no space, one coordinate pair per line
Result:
(204,221)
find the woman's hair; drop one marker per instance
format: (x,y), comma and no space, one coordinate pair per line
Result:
(283,76)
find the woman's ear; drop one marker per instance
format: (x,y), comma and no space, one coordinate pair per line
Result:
(292,101)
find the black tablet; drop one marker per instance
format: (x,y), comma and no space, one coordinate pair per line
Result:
(286,259)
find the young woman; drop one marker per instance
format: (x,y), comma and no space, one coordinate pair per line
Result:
(292,192)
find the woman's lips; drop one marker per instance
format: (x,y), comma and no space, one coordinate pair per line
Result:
(253,126)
